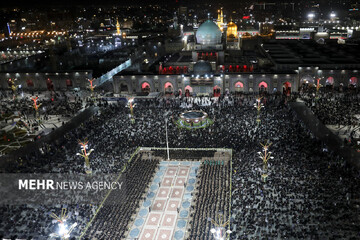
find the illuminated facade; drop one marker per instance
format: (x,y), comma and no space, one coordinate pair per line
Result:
(41,81)
(232,36)
(231,30)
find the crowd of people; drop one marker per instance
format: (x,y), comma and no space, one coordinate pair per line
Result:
(211,200)
(121,205)
(339,110)
(310,193)
(334,108)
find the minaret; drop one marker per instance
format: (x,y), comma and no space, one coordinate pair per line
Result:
(117,27)
(220,20)
(175,21)
(222,17)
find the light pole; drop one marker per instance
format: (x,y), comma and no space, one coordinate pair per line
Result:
(64,231)
(219,231)
(318,86)
(167,141)
(258,105)
(85,155)
(36,107)
(92,86)
(265,155)
(131,105)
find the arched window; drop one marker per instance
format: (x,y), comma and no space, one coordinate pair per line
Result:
(68,83)
(263,86)
(287,88)
(124,87)
(49,84)
(330,81)
(188,88)
(239,87)
(168,88)
(353,81)
(145,87)
(188,91)
(307,80)
(29,83)
(216,91)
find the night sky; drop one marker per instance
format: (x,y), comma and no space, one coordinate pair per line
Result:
(42,3)
(65,3)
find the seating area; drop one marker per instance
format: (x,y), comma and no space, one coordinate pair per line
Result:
(212,198)
(113,219)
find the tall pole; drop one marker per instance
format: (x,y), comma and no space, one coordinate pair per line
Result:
(167,140)
(265,156)
(92,86)
(36,107)
(258,105)
(85,155)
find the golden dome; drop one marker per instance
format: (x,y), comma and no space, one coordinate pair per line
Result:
(231,30)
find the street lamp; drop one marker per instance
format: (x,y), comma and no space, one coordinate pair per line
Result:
(265,155)
(318,85)
(131,105)
(64,231)
(258,105)
(219,231)
(85,155)
(92,86)
(36,106)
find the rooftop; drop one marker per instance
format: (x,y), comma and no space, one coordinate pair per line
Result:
(308,52)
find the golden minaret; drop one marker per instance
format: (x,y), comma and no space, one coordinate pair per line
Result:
(117,27)
(220,20)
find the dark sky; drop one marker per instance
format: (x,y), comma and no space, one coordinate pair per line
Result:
(42,3)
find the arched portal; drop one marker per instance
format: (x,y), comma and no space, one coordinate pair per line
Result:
(124,87)
(50,84)
(29,83)
(239,87)
(168,88)
(188,91)
(216,91)
(329,81)
(287,88)
(353,81)
(145,87)
(68,83)
(307,80)
(263,86)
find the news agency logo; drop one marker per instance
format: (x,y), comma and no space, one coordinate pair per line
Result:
(49,184)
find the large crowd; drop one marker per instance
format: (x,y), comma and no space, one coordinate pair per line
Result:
(310,192)
(338,110)
(211,199)
(334,108)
